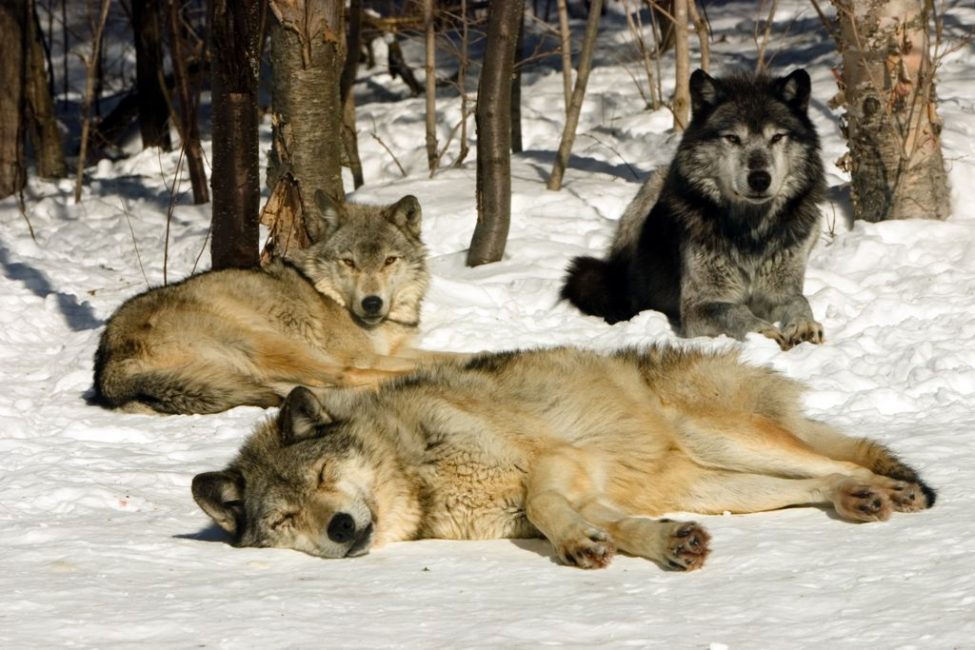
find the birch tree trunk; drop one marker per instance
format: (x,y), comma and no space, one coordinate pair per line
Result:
(493,120)
(237,37)
(12,176)
(892,125)
(307,56)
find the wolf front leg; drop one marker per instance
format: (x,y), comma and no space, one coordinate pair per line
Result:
(796,317)
(558,481)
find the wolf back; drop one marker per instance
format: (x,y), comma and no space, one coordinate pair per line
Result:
(718,241)
(341,312)
(568,444)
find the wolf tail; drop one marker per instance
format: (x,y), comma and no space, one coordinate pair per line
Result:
(598,288)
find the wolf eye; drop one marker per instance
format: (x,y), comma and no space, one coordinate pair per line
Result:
(391,260)
(348,262)
(778,137)
(732,138)
(284,521)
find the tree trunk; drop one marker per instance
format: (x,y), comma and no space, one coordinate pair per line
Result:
(493,120)
(565,49)
(150,94)
(893,129)
(90,93)
(189,98)
(237,36)
(353,46)
(12,176)
(307,58)
(682,66)
(516,143)
(42,125)
(430,70)
(578,95)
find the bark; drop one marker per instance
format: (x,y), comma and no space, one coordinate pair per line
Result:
(237,36)
(565,48)
(516,144)
(353,46)
(493,121)
(682,66)
(307,56)
(703,34)
(188,118)
(430,69)
(578,94)
(12,177)
(150,94)
(91,64)
(462,83)
(893,129)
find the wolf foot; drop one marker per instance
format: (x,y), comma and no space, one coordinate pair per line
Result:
(804,331)
(592,548)
(907,497)
(687,546)
(861,502)
(772,332)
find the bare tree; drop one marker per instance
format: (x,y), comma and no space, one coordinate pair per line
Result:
(430,69)
(565,48)
(149,83)
(493,119)
(188,92)
(578,94)
(892,125)
(353,45)
(12,177)
(682,66)
(91,78)
(307,57)
(237,37)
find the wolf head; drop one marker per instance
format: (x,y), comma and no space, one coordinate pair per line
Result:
(369,259)
(750,142)
(302,481)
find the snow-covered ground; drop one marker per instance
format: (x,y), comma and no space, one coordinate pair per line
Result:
(101,544)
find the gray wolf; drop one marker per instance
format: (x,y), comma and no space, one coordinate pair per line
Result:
(576,446)
(719,240)
(341,312)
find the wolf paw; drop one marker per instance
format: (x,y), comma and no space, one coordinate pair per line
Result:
(772,332)
(861,502)
(907,497)
(687,547)
(802,331)
(591,549)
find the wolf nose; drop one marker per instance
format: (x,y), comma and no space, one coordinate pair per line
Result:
(341,528)
(372,304)
(759,180)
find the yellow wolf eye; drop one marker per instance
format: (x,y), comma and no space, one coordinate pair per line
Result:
(348,262)
(732,138)
(391,260)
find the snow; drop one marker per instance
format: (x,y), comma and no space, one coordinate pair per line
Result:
(101,544)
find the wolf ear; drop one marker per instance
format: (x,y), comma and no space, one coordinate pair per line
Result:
(300,416)
(220,495)
(794,89)
(327,218)
(406,213)
(706,91)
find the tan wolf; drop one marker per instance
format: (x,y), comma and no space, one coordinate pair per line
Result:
(341,312)
(579,447)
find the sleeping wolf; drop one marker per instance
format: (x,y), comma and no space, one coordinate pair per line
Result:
(568,444)
(341,312)
(719,240)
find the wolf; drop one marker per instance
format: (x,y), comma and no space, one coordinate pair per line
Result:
(718,241)
(341,312)
(578,447)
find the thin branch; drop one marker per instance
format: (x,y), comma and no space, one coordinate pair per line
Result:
(89,94)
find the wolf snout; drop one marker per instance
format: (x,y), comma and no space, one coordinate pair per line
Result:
(341,528)
(759,180)
(372,305)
